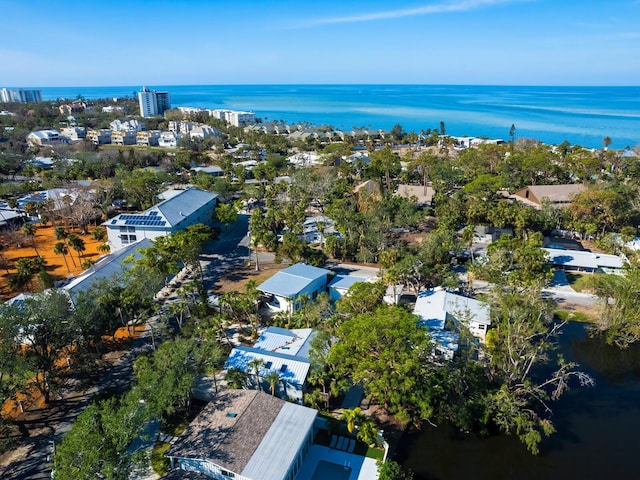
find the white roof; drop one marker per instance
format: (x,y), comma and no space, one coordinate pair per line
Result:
(279,447)
(583,259)
(293,370)
(288,342)
(435,306)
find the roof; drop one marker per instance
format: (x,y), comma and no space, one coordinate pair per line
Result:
(370,185)
(179,205)
(292,369)
(294,343)
(226,439)
(583,259)
(291,281)
(259,442)
(435,306)
(177,474)
(555,193)
(280,445)
(106,267)
(344,282)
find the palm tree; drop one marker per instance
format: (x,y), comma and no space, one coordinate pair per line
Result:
(273,378)
(255,364)
(104,248)
(61,248)
(60,233)
(30,231)
(235,378)
(77,244)
(353,418)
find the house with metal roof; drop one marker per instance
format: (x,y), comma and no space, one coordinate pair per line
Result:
(285,288)
(438,308)
(180,209)
(106,267)
(246,435)
(283,351)
(340,285)
(584,261)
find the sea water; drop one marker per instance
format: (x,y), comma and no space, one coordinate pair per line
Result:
(579,115)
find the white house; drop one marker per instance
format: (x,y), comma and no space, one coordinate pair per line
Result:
(584,261)
(246,435)
(287,286)
(283,351)
(437,308)
(107,267)
(340,284)
(45,137)
(169,139)
(181,209)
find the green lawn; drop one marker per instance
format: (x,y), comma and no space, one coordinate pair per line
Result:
(566,315)
(159,462)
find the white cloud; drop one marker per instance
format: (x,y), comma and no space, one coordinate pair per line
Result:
(459,6)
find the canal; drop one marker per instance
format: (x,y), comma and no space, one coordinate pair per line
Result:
(597,435)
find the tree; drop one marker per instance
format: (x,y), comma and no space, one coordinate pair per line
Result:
(98,234)
(361,297)
(104,248)
(60,248)
(391,470)
(235,378)
(353,417)
(512,134)
(226,213)
(522,338)
(77,244)
(29,230)
(390,354)
(273,378)
(255,364)
(619,321)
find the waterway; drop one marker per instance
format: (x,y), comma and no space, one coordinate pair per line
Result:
(596,438)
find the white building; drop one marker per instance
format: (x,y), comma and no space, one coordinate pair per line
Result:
(241,119)
(74,134)
(340,285)
(584,261)
(169,139)
(283,351)
(99,137)
(124,137)
(152,102)
(20,95)
(286,287)
(45,137)
(126,125)
(148,138)
(181,209)
(246,435)
(438,309)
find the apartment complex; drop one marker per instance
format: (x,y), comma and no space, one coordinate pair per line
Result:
(20,95)
(152,102)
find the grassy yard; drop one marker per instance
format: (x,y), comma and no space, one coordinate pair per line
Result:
(159,462)
(574,316)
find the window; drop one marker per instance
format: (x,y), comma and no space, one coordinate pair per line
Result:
(283,368)
(268,365)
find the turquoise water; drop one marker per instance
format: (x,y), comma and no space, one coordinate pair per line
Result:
(580,115)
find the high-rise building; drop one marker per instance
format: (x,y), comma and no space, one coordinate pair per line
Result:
(152,102)
(20,95)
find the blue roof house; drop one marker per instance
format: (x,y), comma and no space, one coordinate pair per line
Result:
(341,284)
(287,286)
(283,351)
(180,209)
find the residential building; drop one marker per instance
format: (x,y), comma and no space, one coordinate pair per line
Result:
(106,267)
(74,107)
(585,261)
(112,109)
(153,103)
(74,134)
(213,170)
(283,351)
(99,137)
(241,119)
(556,195)
(285,288)
(148,138)
(169,139)
(439,309)
(124,137)
(126,125)
(246,435)
(340,284)
(20,95)
(45,137)
(181,209)
(203,131)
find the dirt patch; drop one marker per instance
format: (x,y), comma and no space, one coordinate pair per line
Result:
(45,241)
(236,279)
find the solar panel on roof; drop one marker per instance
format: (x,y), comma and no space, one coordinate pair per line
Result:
(153,214)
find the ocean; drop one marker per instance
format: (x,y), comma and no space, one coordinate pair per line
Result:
(579,115)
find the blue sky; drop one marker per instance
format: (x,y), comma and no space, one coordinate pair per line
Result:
(499,42)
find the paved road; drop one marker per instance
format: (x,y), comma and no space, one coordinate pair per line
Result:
(30,459)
